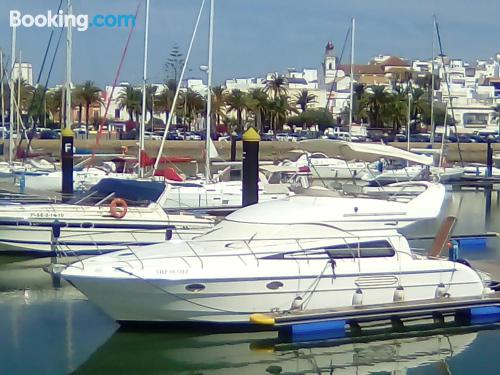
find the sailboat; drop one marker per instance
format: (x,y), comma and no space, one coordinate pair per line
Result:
(207,192)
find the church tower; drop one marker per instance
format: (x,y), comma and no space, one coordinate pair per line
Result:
(330,63)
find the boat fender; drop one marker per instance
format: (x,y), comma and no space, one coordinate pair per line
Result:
(399,294)
(297,303)
(453,251)
(118,208)
(441,291)
(357,298)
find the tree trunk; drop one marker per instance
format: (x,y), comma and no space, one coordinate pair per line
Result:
(151,119)
(80,110)
(87,110)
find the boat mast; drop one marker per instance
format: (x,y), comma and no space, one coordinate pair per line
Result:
(351,86)
(209,89)
(144,79)
(11,85)
(433,125)
(69,45)
(2,96)
(18,105)
(409,119)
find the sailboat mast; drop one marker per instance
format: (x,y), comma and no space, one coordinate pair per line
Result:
(351,86)
(209,89)
(69,46)
(2,96)
(433,125)
(11,85)
(18,105)
(408,120)
(144,79)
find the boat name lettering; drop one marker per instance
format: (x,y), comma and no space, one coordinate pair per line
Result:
(46,214)
(171,272)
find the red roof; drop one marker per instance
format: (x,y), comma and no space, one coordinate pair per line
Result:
(362,69)
(394,61)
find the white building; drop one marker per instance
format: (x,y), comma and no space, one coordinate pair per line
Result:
(25,70)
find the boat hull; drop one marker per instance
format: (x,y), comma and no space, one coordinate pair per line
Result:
(233,300)
(29,229)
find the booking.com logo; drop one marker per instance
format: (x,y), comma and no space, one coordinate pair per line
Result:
(79,21)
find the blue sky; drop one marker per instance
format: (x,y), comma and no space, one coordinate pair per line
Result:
(253,37)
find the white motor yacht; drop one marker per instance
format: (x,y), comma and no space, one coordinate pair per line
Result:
(275,182)
(324,167)
(91,225)
(320,252)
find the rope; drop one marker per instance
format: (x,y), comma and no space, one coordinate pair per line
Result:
(336,70)
(45,87)
(117,76)
(314,285)
(174,102)
(449,95)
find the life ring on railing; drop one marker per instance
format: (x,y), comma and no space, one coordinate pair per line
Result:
(118,208)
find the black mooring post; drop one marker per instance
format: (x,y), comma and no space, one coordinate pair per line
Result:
(250,177)
(489,159)
(67,163)
(233,146)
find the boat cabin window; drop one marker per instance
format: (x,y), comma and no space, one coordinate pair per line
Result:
(135,193)
(371,249)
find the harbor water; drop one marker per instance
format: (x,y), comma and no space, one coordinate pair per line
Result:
(46,328)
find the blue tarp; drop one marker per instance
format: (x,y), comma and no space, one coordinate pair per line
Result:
(130,190)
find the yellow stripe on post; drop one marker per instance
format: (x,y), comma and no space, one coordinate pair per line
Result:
(251,135)
(67,132)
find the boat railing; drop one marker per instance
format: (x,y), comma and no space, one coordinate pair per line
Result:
(256,252)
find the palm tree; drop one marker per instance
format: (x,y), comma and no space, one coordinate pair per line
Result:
(279,108)
(25,94)
(303,98)
(237,101)
(193,104)
(359,94)
(258,103)
(218,103)
(37,104)
(276,85)
(163,102)
(77,101)
(374,103)
(87,94)
(54,103)
(395,109)
(130,98)
(150,101)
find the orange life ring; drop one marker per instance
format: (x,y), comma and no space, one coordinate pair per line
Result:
(118,208)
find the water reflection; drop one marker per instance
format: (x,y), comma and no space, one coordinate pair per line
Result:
(51,331)
(244,354)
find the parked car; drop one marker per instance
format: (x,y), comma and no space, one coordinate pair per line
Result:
(48,134)
(151,136)
(173,136)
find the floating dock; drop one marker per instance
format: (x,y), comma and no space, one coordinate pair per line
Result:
(314,324)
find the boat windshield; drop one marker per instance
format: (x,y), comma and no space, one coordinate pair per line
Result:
(135,193)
